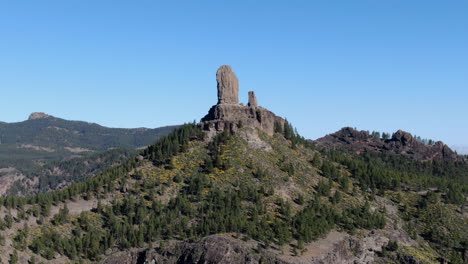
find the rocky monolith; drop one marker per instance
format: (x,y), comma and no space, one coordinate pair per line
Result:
(228,85)
(229,115)
(252,99)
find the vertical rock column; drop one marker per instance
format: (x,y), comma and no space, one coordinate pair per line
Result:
(228,85)
(252,99)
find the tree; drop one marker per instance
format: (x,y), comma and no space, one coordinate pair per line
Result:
(315,161)
(392,246)
(278,127)
(8,219)
(375,134)
(323,188)
(62,216)
(14,257)
(385,136)
(32,260)
(288,130)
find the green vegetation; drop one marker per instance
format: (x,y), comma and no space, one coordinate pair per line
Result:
(192,214)
(56,133)
(377,171)
(59,151)
(432,216)
(185,188)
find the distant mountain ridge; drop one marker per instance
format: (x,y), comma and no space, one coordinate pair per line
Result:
(45,152)
(400,142)
(56,133)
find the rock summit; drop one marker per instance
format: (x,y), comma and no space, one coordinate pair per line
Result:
(38,115)
(229,114)
(401,142)
(228,85)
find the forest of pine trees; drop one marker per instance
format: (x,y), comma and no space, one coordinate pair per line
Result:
(199,209)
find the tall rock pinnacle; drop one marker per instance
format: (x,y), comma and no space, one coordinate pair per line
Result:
(228,85)
(252,99)
(229,115)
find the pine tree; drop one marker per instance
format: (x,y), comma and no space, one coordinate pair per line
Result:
(14,257)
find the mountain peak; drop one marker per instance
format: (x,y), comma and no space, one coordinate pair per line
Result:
(401,142)
(229,114)
(38,115)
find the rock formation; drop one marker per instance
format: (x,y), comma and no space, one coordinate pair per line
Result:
(401,142)
(38,115)
(252,99)
(210,249)
(228,85)
(228,114)
(343,249)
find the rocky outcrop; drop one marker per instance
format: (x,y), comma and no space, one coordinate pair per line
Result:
(229,115)
(211,249)
(38,115)
(352,250)
(252,99)
(404,143)
(233,117)
(401,142)
(225,250)
(228,85)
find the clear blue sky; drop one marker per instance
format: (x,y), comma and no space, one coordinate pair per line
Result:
(375,65)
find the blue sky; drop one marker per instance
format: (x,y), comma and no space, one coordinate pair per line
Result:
(374,65)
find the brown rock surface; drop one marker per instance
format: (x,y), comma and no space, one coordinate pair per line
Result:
(252,99)
(38,115)
(210,249)
(401,143)
(228,114)
(228,85)
(232,117)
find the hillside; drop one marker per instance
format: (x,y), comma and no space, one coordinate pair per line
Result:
(44,152)
(242,186)
(50,134)
(272,199)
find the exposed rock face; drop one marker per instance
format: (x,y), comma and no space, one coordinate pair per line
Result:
(226,250)
(211,249)
(233,117)
(401,143)
(228,85)
(229,115)
(252,99)
(38,115)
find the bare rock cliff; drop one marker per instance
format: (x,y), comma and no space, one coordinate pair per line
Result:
(229,115)
(210,249)
(228,85)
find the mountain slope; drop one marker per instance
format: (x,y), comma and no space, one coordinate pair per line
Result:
(51,134)
(267,196)
(242,187)
(45,152)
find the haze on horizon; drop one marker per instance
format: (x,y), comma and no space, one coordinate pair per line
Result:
(371,65)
